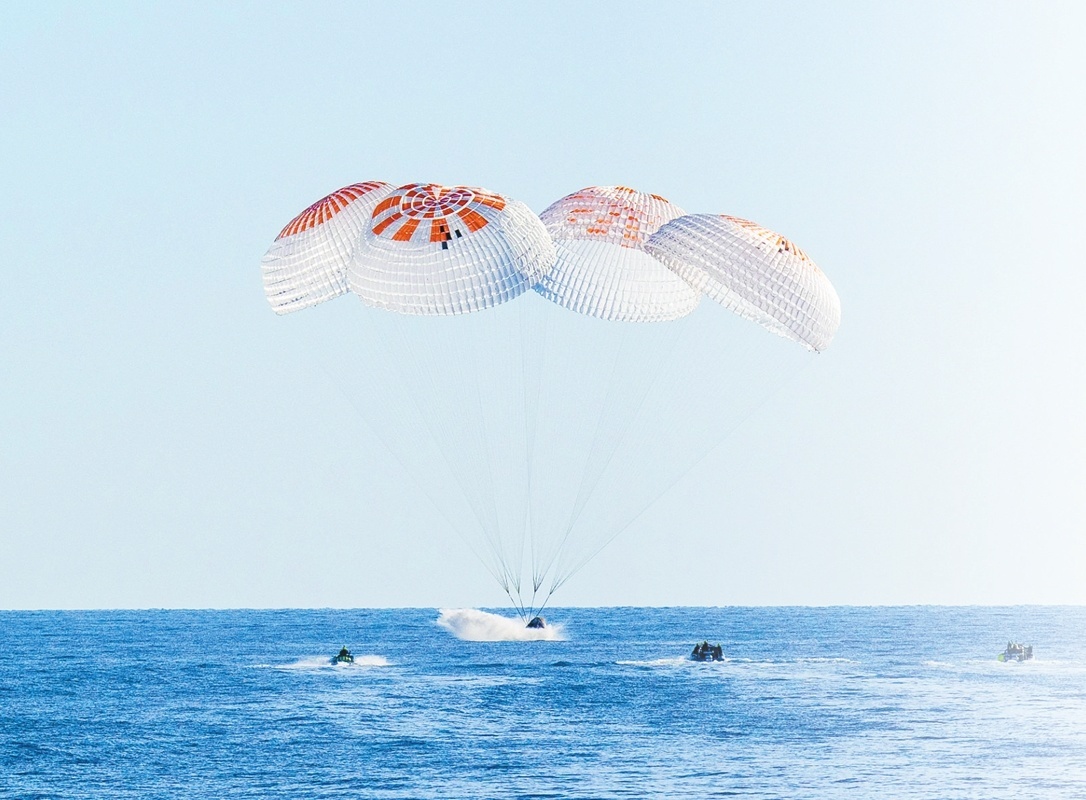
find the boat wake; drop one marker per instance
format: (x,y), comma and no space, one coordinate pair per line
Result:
(473,625)
(319,662)
(673,661)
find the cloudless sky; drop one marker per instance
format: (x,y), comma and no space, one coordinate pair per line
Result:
(165,442)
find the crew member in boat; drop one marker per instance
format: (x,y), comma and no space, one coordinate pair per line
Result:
(707,652)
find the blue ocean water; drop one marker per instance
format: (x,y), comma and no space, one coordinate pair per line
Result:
(811,703)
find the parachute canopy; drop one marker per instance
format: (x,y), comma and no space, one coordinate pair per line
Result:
(602,268)
(307,262)
(538,433)
(754,272)
(437,250)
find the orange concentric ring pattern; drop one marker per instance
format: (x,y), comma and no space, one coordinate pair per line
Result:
(429,212)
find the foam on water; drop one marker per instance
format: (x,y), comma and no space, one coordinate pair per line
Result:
(473,625)
(324,662)
(674,661)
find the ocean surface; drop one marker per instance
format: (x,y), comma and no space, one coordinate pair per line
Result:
(810,703)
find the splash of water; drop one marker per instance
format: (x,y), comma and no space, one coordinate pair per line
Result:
(473,625)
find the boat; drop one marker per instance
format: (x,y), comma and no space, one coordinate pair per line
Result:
(343,657)
(707,652)
(1017,652)
(537,622)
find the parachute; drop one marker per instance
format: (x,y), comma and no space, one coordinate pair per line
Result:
(602,268)
(434,250)
(754,272)
(543,379)
(307,262)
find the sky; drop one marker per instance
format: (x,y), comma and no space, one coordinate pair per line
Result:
(166,442)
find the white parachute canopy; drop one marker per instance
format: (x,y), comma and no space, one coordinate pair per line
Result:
(602,269)
(307,262)
(753,271)
(538,433)
(435,250)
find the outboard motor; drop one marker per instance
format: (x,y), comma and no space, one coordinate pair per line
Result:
(537,622)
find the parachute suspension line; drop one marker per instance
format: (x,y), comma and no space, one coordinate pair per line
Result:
(555,549)
(528,347)
(781,377)
(665,338)
(534,329)
(635,371)
(424,369)
(525,339)
(537,358)
(651,362)
(473,365)
(568,423)
(518,605)
(523,407)
(548,420)
(505,345)
(564,574)
(546,600)
(387,442)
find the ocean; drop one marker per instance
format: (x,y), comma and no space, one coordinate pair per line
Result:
(854,702)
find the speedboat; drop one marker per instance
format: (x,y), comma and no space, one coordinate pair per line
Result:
(343,657)
(707,652)
(1017,652)
(537,622)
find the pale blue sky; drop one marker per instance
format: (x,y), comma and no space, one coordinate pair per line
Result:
(930,157)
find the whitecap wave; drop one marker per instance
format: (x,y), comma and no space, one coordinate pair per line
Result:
(473,625)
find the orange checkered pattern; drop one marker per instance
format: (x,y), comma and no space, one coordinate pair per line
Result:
(618,214)
(327,207)
(769,237)
(428,212)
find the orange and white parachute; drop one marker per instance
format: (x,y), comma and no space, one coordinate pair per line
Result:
(602,268)
(307,262)
(753,271)
(437,250)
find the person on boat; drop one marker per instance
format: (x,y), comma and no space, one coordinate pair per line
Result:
(718,653)
(344,653)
